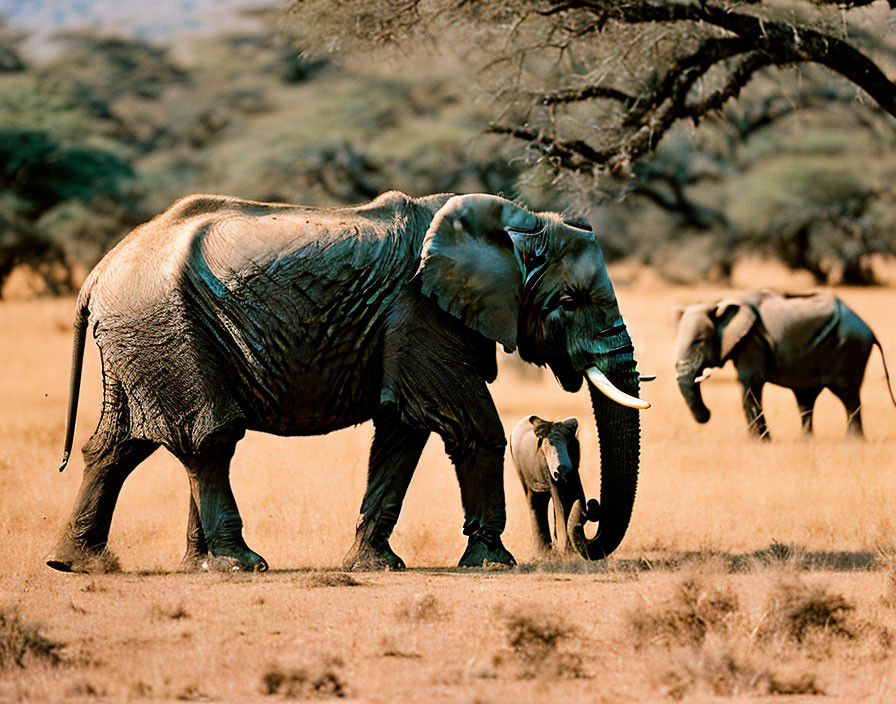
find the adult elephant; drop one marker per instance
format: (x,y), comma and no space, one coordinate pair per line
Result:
(802,342)
(223,315)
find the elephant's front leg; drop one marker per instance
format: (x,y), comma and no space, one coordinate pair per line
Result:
(478,456)
(219,516)
(805,399)
(196,556)
(394,454)
(538,515)
(752,403)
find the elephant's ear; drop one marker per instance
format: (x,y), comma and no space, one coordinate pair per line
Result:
(734,319)
(471,267)
(572,424)
(676,313)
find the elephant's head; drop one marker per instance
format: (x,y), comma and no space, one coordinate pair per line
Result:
(707,335)
(532,281)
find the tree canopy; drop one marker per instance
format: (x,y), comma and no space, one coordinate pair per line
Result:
(592,88)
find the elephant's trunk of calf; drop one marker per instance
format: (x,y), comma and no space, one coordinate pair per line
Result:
(690,389)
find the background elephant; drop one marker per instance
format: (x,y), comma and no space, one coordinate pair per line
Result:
(801,342)
(546,456)
(222,315)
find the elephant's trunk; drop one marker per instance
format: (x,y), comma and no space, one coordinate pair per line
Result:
(693,397)
(619,434)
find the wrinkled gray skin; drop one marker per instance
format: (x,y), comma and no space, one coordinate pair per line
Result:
(805,343)
(222,315)
(546,456)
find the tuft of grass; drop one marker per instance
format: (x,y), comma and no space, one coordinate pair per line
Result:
(685,619)
(164,612)
(539,640)
(721,669)
(422,607)
(23,642)
(333,579)
(322,680)
(803,614)
(85,689)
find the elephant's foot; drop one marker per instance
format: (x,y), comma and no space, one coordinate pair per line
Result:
(236,559)
(364,556)
(485,549)
(69,556)
(194,561)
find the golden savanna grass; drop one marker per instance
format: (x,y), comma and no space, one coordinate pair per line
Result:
(749,571)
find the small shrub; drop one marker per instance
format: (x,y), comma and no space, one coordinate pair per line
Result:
(192,693)
(693,611)
(322,680)
(161,612)
(800,612)
(84,689)
(333,579)
(421,607)
(718,668)
(537,638)
(22,642)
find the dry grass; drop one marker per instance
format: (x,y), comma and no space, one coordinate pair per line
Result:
(721,526)
(321,680)
(23,643)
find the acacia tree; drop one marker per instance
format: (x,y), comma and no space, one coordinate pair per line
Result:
(592,87)
(639,66)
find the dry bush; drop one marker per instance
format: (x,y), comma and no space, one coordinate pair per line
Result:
(22,643)
(539,644)
(721,669)
(813,619)
(686,618)
(84,689)
(333,579)
(321,680)
(192,693)
(165,612)
(708,646)
(422,607)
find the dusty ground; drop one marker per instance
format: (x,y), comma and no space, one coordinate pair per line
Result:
(686,609)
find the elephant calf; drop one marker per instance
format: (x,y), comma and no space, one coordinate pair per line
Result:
(546,455)
(805,343)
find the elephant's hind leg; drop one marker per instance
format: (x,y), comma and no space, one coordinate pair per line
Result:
(849,396)
(221,524)
(394,455)
(805,399)
(538,516)
(196,556)
(107,464)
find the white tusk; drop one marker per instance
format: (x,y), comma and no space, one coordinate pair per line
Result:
(605,386)
(704,376)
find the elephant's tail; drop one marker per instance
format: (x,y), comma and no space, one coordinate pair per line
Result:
(74,387)
(883,360)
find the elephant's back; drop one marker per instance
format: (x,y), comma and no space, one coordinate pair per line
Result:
(222,238)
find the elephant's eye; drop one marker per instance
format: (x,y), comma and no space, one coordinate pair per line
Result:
(567,301)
